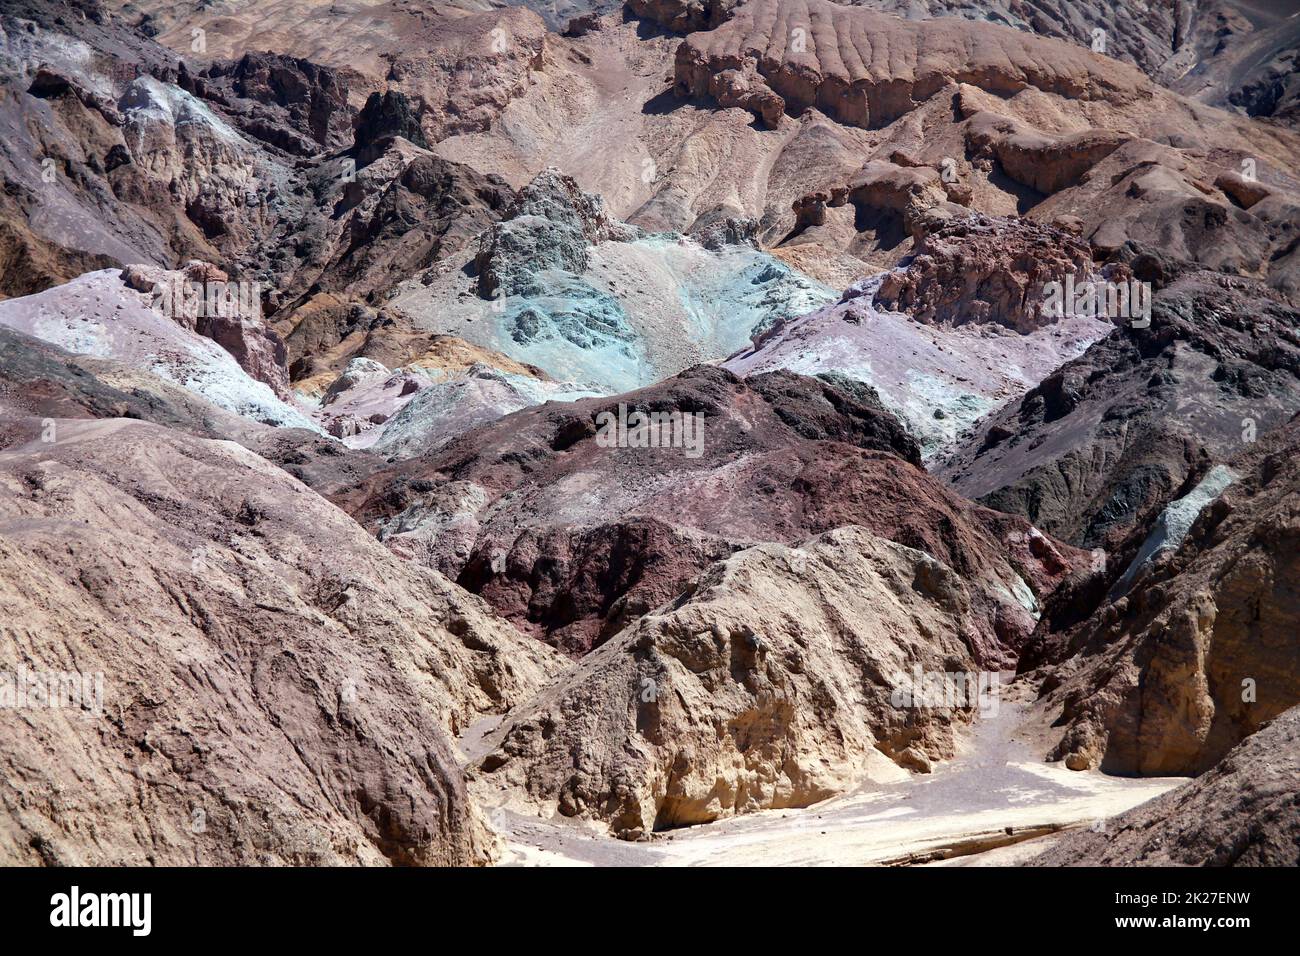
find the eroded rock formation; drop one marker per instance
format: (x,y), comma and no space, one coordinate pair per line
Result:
(261,703)
(768,684)
(1203,650)
(1104,442)
(867,69)
(1242,812)
(548,537)
(979,269)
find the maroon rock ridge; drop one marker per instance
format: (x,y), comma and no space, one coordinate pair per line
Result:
(558,532)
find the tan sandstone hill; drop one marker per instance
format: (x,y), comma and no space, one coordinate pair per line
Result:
(766,685)
(276,688)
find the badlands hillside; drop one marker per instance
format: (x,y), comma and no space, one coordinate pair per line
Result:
(663,432)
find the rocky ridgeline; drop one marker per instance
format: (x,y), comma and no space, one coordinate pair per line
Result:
(573,539)
(867,69)
(1105,441)
(291,103)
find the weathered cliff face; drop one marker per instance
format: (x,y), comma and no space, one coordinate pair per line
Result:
(1040,161)
(238,163)
(387,116)
(1202,650)
(767,684)
(90,155)
(563,93)
(260,703)
(1242,812)
(1103,443)
(1223,52)
(292,103)
(1013,122)
(125,165)
(463,65)
(1220,52)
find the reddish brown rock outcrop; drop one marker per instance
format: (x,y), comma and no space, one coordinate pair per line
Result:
(905,192)
(1244,192)
(1046,164)
(985,269)
(781,457)
(743,87)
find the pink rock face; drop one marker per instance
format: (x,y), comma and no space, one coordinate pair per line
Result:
(99,315)
(202,298)
(364,397)
(939,375)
